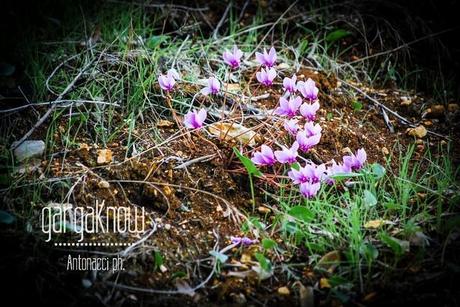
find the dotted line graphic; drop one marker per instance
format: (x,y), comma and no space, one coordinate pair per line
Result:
(91,244)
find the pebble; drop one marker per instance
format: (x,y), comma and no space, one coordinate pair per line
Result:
(453,107)
(263,210)
(284,291)
(418,132)
(29,149)
(167,226)
(103,184)
(405,101)
(385,151)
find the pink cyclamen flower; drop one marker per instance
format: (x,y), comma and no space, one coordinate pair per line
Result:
(309,173)
(243,240)
(291,126)
(233,58)
(308,110)
(195,120)
(266,76)
(334,169)
(287,155)
(289,107)
(309,190)
(312,128)
(212,88)
(166,82)
(267,59)
(264,157)
(307,142)
(289,84)
(355,162)
(308,89)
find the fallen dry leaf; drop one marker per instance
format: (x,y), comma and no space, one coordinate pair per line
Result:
(163,123)
(374,224)
(234,131)
(418,132)
(284,291)
(104,156)
(324,283)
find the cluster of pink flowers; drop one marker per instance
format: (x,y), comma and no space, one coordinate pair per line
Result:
(310,176)
(298,104)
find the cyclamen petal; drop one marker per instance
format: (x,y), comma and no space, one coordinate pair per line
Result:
(291,126)
(355,162)
(334,169)
(233,58)
(312,128)
(195,120)
(309,190)
(307,142)
(308,110)
(308,89)
(166,82)
(267,59)
(266,76)
(212,88)
(287,155)
(264,157)
(289,107)
(289,84)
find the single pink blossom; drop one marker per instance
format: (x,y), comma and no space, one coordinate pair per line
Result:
(308,110)
(309,189)
(243,240)
(312,128)
(289,84)
(307,142)
(355,162)
(308,89)
(266,76)
(233,58)
(287,155)
(212,88)
(309,173)
(195,120)
(267,59)
(264,157)
(289,107)
(334,169)
(291,126)
(166,82)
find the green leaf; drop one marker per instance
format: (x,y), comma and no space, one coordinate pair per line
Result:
(268,243)
(378,170)
(295,166)
(301,213)
(156,41)
(369,251)
(369,199)
(6,218)
(340,176)
(263,261)
(248,164)
(357,106)
(336,35)
(399,247)
(329,116)
(220,256)
(158,259)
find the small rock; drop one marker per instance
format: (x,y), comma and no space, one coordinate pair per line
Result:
(263,210)
(436,110)
(385,151)
(405,101)
(167,226)
(104,156)
(284,291)
(103,184)
(453,107)
(418,132)
(163,269)
(239,298)
(346,150)
(29,149)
